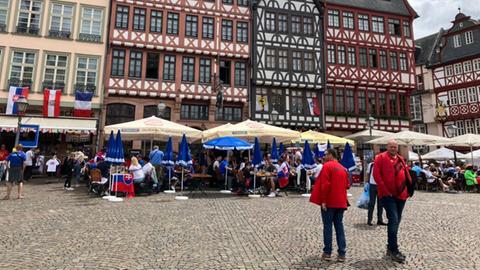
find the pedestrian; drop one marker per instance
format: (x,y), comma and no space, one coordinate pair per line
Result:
(3,162)
(156,158)
(373,191)
(52,165)
(391,173)
(330,192)
(69,164)
(29,164)
(15,160)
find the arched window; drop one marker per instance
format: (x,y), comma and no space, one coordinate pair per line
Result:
(152,110)
(119,113)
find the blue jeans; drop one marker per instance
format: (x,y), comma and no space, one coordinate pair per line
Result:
(394,208)
(333,216)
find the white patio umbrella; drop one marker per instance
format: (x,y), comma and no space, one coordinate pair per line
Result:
(467,140)
(249,130)
(365,135)
(410,138)
(412,156)
(442,153)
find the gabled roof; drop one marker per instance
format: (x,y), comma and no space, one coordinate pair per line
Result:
(400,7)
(424,49)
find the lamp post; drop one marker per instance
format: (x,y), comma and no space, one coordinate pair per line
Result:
(22,104)
(161,109)
(274,116)
(451,129)
(370,123)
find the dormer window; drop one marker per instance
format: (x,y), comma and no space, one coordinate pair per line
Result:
(468,37)
(457,41)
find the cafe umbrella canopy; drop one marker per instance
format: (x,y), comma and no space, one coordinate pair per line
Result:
(249,130)
(410,138)
(318,137)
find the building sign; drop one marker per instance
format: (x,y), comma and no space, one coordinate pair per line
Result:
(29,135)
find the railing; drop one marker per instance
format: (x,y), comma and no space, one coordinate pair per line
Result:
(90,37)
(20,83)
(85,87)
(53,85)
(28,30)
(59,34)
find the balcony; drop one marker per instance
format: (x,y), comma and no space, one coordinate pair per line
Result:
(90,38)
(59,34)
(3,27)
(28,30)
(85,87)
(20,83)
(53,85)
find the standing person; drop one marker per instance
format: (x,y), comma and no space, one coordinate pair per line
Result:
(156,158)
(330,192)
(391,173)
(52,166)
(69,165)
(15,171)
(3,162)
(29,164)
(373,191)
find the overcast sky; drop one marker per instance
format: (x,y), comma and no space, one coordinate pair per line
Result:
(435,14)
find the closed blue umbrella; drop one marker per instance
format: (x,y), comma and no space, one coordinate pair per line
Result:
(110,148)
(329,146)
(168,155)
(281,149)
(348,160)
(119,153)
(316,151)
(184,159)
(307,158)
(227,143)
(274,153)
(257,154)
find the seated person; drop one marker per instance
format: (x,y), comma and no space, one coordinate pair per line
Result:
(432,178)
(136,169)
(149,172)
(471,178)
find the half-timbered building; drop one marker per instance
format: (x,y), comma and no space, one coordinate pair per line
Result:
(453,61)
(287,63)
(370,64)
(178,53)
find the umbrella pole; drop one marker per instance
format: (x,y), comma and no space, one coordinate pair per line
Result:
(169,178)
(471,151)
(151,145)
(181,184)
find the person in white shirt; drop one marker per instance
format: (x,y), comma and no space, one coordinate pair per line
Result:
(373,191)
(137,171)
(52,166)
(27,174)
(149,170)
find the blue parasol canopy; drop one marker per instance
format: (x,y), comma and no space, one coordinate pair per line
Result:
(119,154)
(307,158)
(227,143)
(274,153)
(281,149)
(110,148)
(316,151)
(168,155)
(348,160)
(184,159)
(257,154)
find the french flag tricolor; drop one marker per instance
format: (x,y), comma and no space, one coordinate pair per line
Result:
(83,104)
(14,94)
(51,102)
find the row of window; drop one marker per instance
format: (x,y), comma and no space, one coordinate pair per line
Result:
(152,71)
(192,24)
(465,67)
(364,22)
(283,59)
(467,126)
(458,40)
(341,100)
(61,19)
(55,70)
(367,57)
(464,96)
(269,99)
(284,23)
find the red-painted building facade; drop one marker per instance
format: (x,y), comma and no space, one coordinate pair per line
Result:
(179,53)
(370,64)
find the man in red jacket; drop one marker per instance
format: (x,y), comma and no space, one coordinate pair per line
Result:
(330,191)
(391,173)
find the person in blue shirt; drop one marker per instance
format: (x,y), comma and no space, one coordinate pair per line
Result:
(156,158)
(416,168)
(15,167)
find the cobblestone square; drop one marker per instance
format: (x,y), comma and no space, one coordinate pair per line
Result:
(53,229)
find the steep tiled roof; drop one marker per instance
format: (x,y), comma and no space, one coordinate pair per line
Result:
(391,6)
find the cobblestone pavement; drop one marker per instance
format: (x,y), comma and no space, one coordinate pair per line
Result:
(53,229)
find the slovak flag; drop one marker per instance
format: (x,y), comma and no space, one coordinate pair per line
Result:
(123,183)
(313,106)
(13,95)
(51,102)
(83,104)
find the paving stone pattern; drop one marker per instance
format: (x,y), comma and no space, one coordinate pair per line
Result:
(54,229)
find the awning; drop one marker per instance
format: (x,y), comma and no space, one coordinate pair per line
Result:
(51,125)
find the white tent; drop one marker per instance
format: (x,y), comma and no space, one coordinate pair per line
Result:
(443,154)
(410,138)
(412,156)
(467,140)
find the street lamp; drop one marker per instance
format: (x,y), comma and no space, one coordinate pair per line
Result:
(161,109)
(22,105)
(451,129)
(370,123)
(274,116)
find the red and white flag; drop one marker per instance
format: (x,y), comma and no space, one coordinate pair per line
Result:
(313,106)
(83,104)
(51,102)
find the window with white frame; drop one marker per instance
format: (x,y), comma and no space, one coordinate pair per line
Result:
(457,41)
(467,66)
(472,94)
(55,74)
(348,20)
(469,126)
(460,128)
(452,97)
(377,24)
(86,73)
(283,59)
(462,96)
(22,68)
(476,64)
(458,69)
(477,125)
(29,15)
(91,24)
(331,53)
(61,20)
(333,18)
(270,56)
(416,107)
(363,23)
(3,14)
(468,37)
(448,71)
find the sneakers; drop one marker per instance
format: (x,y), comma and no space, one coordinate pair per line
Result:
(326,257)
(68,188)
(271,195)
(396,256)
(341,258)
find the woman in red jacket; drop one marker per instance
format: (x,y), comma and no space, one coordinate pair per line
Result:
(330,192)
